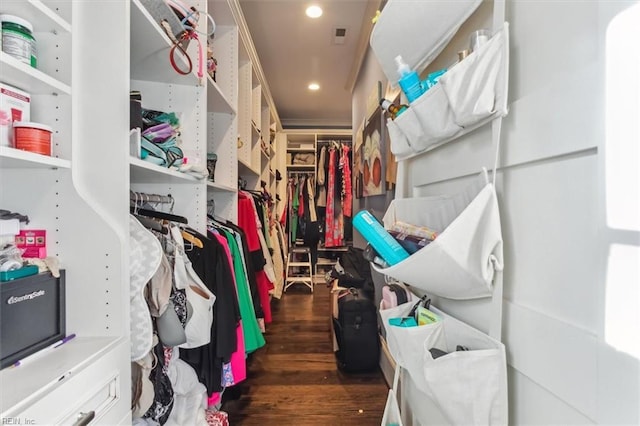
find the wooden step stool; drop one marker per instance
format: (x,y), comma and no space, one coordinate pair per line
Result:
(299,257)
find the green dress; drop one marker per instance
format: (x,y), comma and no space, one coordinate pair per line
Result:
(253,338)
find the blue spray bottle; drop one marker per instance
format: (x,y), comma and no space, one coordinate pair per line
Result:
(387,247)
(409,80)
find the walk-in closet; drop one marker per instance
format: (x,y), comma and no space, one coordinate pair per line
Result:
(322,212)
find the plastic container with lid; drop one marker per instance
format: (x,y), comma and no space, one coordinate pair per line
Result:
(18,40)
(33,137)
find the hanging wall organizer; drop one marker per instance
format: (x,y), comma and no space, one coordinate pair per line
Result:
(465,261)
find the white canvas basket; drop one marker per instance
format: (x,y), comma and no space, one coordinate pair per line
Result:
(406,344)
(467,96)
(461,262)
(391,415)
(468,387)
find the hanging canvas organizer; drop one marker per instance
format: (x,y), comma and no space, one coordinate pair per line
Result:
(461,262)
(468,386)
(467,96)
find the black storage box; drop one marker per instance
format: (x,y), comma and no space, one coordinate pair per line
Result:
(32,315)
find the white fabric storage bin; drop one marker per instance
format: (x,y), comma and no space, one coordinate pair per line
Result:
(417,30)
(399,144)
(467,96)
(428,121)
(469,387)
(461,262)
(476,87)
(406,344)
(391,415)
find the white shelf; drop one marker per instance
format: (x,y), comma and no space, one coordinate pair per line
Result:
(256,131)
(244,167)
(301,166)
(146,172)
(29,79)
(38,377)
(150,48)
(11,158)
(301,149)
(214,186)
(216,100)
(38,14)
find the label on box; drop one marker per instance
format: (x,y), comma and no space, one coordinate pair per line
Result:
(15,105)
(33,242)
(425,316)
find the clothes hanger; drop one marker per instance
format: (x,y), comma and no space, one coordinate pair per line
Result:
(191,238)
(151,224)
(159,215)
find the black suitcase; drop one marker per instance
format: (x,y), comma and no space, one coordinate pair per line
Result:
(356,329)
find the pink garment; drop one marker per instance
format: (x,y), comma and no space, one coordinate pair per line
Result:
(214,399)
(264,285)
(238,358)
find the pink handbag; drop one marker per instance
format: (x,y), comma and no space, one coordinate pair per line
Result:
(394,295)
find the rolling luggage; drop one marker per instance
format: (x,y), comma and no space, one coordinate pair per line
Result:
(356,331)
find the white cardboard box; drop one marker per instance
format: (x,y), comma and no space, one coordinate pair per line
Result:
(15,105)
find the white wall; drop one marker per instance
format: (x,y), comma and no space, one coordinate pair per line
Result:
(568,192)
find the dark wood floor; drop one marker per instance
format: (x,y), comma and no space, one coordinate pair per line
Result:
(293,380)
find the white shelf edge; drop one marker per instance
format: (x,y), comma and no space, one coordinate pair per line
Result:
(301,150)
(33,73)
(301,166)
(220,94)
(57,19)
(246,166)
(220,187)
(14,158)
(35,379)
(161,171)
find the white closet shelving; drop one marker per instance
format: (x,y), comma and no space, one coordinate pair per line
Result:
(67,195)
(89,57)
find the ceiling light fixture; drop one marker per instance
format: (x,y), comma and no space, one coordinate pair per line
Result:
(314,11)
(314,86)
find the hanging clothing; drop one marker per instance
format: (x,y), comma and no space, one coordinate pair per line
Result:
(237,362)
(253,338)
(247,221)
(321,179)
(213,269)
(278,263)
(347,204)
(332,233)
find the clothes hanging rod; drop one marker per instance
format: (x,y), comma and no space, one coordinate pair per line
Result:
(141,197)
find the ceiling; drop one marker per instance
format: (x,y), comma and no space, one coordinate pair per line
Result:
(295,50)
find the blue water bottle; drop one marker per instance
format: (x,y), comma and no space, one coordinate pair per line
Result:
(386,246)
(409,80)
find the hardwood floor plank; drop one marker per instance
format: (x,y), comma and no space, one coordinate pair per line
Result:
(294,380)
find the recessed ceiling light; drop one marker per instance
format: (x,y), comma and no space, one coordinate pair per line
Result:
(314,86)
(314,11)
